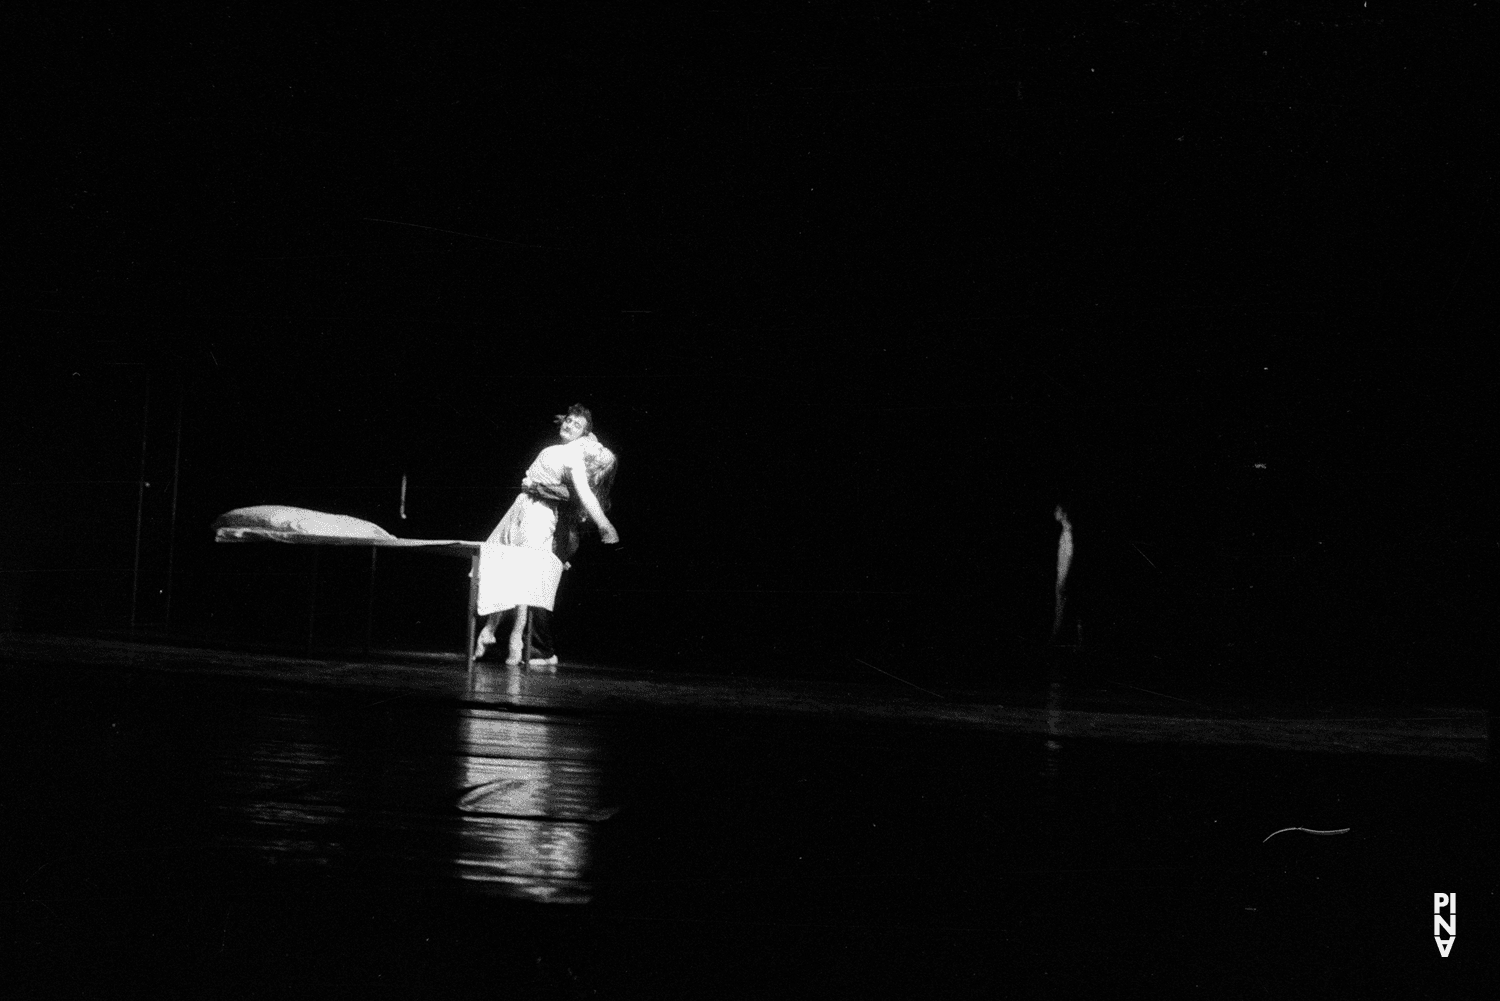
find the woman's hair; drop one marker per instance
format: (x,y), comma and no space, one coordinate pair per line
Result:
(601,465)
(599,462)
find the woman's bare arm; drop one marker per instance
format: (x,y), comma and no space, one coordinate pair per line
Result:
(591,505)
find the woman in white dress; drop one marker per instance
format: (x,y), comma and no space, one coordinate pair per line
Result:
(566,487)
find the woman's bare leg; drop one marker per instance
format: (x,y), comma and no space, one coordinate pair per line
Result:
(486,635)
(517,636)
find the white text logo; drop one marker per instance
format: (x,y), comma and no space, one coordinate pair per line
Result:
(1441,924)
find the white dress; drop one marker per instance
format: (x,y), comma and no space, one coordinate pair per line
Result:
(517,565)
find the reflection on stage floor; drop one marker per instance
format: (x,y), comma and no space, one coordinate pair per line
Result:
(378,827)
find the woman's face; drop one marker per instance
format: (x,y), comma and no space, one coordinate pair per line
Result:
(573,427)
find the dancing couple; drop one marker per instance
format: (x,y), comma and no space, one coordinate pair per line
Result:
(565,491)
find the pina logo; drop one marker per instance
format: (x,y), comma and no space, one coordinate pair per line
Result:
(1441,924)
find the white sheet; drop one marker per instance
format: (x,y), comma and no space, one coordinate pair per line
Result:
(301,520)
(313,539)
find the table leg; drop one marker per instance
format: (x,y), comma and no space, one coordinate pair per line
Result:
(312,597)
(370,604)
(473,608)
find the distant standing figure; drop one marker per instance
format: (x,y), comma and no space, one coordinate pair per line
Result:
(1064,562)
(564,488)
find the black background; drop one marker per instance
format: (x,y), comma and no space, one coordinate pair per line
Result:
(857,294)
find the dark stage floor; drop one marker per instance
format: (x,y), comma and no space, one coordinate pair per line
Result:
(212,824)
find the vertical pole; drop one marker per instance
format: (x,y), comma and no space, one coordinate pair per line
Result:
(312,598)
(473,606)
(370,604)
(140,501)
(172,530)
